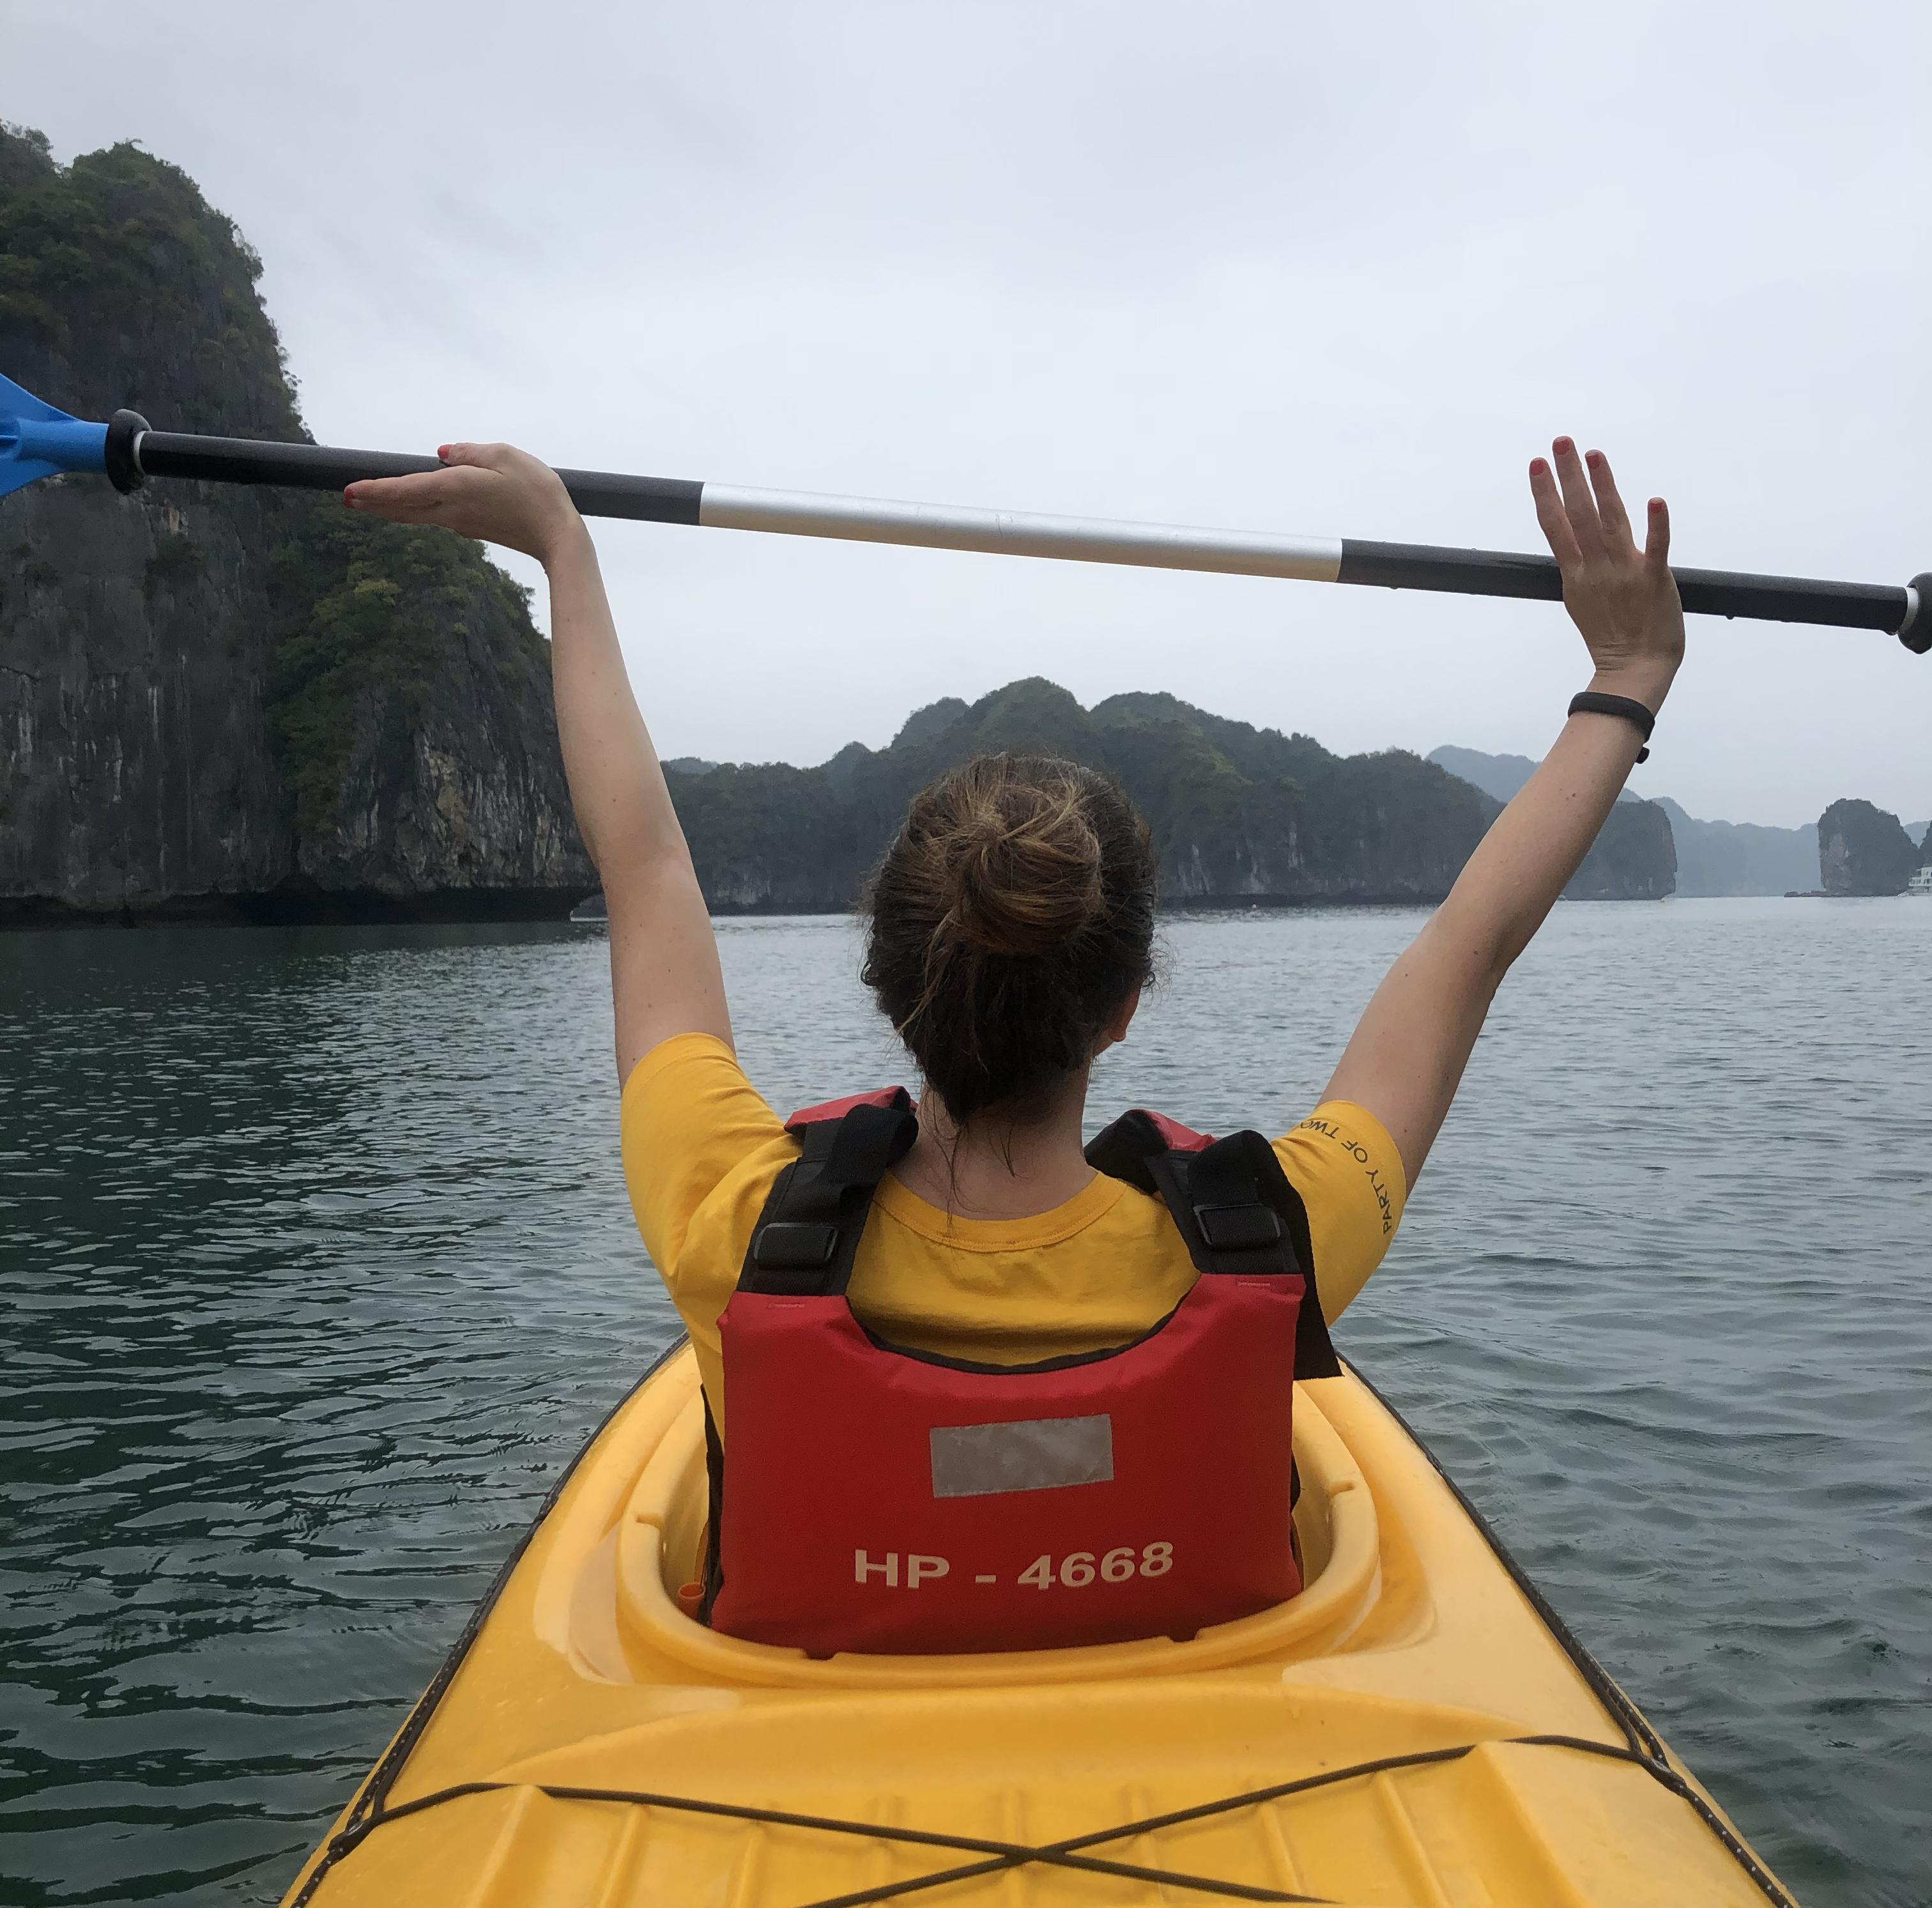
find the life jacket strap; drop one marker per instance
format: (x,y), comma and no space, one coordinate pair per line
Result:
(807,1235)
(1235,1206)
(711,1567)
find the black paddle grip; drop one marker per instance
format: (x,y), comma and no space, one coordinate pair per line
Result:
(1704,593)
(1917,634)
(319,467)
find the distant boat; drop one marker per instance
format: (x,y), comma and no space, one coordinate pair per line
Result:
(1920,883)
(591,908)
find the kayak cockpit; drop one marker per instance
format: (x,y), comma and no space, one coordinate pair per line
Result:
(1413,1730)
(634,1624)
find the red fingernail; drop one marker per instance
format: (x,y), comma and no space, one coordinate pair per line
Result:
(1537,467)
(1595,457)
(1563,445)
(349,498)
(443,451)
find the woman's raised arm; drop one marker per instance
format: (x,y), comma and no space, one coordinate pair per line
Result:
(1406,1058)
(665,975)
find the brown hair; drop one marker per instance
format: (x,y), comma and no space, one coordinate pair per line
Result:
(1011,919)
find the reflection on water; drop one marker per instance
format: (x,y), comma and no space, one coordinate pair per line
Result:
(317,1268)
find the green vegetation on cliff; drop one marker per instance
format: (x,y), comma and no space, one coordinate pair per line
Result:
(99,258)
(323,713)
(367,610)
(1239,814)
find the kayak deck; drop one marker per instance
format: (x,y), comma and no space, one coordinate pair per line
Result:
(1375,1740)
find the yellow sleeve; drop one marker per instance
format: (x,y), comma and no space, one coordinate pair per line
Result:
(1346,1167)
(690,1123)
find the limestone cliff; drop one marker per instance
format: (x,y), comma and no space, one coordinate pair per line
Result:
(226,702)
(1633,858)
(1864,850)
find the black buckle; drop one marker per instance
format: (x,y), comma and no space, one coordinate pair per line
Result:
(1238,1228)
(794,1245)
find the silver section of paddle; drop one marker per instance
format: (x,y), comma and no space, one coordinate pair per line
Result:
(1019,533)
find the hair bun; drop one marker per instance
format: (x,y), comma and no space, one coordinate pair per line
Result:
(1012,920)
(1023,866)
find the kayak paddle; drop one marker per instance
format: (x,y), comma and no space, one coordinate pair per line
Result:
(36,441)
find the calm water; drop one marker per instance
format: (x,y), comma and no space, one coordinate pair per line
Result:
(316,1268)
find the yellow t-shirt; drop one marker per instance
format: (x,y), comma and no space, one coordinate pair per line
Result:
(701,1149)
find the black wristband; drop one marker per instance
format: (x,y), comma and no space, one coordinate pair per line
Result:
(1592,703)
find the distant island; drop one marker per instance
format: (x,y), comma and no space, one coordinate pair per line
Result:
(1713,857)
(1853,848)
(1240,814)
(1863,849)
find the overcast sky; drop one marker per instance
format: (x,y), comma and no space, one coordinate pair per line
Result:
(1332,270)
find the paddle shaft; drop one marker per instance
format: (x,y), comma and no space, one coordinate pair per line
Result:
(1901,611)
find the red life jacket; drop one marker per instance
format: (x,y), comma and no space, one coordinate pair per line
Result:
(879,1499)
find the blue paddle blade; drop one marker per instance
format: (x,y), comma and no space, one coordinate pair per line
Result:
(38,441)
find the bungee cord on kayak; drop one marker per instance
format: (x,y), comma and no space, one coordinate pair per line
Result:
(1006,1856)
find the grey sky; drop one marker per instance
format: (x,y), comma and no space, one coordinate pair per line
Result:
(1332,270)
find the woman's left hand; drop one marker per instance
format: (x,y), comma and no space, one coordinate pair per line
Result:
(493,492)
(1623,600)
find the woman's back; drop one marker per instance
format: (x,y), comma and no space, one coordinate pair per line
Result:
(702,1149)
(1010,935)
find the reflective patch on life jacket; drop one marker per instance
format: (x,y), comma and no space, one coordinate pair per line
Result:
(1030,1454)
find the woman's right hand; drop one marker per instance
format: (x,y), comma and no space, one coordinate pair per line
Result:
(493,492)
(1623,599)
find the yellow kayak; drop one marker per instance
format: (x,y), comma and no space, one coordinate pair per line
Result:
(1416,1727)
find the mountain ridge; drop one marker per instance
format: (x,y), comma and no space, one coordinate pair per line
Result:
(1239,815)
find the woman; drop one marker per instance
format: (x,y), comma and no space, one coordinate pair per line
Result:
(969,1288)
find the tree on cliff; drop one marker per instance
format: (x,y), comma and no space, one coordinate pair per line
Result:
(1864,850)
(222,700)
